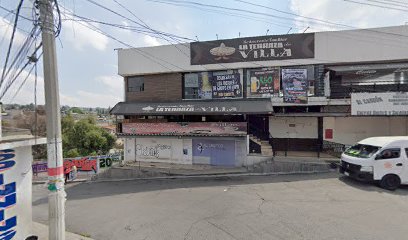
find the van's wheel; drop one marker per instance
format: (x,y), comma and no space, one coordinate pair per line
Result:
(390,182)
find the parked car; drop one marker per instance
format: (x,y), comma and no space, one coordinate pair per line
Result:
(380,159)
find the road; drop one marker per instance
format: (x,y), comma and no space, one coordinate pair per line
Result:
(293,207)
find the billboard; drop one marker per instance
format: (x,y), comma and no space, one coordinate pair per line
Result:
(187,129)
(264,48)
(379,104)
(294,85)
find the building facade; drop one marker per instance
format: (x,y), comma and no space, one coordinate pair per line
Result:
(215,102)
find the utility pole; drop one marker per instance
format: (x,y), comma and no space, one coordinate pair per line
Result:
(56,195)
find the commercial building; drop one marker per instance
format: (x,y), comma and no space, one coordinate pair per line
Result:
(215,102)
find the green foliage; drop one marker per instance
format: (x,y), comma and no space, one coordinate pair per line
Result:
(72,153)
(84,137)
(76,110)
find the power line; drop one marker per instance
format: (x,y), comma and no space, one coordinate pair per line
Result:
(143,53)
(11,82)
(294,14)
(376,5)
(183,3)
(11,41)
(387,3)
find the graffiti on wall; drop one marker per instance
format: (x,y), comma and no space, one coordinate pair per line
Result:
(8,195)
(83,164)
(152,150)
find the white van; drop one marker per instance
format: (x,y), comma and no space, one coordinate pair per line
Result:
(382,159)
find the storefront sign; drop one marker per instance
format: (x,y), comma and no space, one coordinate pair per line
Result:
(264,81)
(188,129)
(277,47)
(295,85)
(189,108)
(226,86)
(382,104)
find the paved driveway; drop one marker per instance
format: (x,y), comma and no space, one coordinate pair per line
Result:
(277,207)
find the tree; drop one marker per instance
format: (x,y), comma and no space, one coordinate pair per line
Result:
(85,137)
(27,120)
(76,110)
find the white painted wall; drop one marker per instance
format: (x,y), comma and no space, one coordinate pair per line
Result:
(330,47)
(188,146)
(160,149)
(304,127)
(129,149)
(240,152)
(349,130)
(20,174)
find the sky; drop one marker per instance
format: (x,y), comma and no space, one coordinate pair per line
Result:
(87,60)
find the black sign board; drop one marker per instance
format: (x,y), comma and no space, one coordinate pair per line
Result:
(226,86)
(265,48)
(185,107)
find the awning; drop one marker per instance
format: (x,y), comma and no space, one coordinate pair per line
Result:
(361,67)
(198,107)
(313,114)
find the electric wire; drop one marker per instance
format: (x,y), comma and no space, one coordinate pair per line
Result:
(11,41)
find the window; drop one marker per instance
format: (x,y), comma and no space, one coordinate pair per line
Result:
(389,153)
(135,84)
(406,152)
(191,86)
(361,151)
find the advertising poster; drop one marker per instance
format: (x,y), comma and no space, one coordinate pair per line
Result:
(294,85)
(226,86)
(263,81)
(205,88)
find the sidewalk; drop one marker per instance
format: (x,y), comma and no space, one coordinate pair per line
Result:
(184,169)
(43,177)
(41,231)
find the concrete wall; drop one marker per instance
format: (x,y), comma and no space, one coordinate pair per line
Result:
(175,150)
(349,130)
(158,87)
(380,44)
(293,127)
(241,152)
(167,150)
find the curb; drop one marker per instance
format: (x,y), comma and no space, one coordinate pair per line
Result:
(209,176)
(45,181)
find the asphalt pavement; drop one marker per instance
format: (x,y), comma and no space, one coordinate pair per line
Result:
(314,206)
